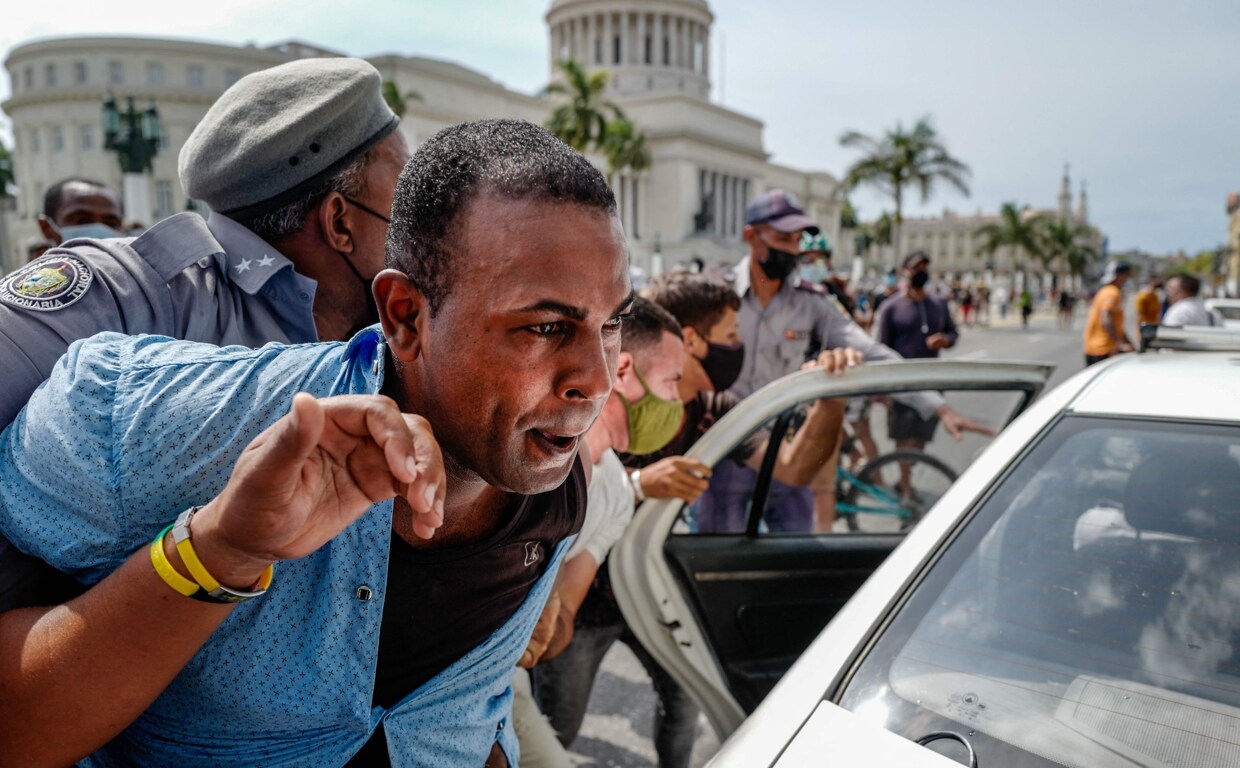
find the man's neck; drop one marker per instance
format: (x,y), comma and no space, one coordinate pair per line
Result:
(474,510)
(763,287)
(339,302)
(916,294)
(687,391)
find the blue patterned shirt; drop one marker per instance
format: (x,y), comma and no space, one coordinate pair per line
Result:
(126,433)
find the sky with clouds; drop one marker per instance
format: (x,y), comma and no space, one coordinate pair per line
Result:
(1140,97)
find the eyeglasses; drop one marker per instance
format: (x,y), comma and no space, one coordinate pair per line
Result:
(367,209)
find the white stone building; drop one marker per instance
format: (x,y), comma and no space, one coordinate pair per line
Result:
(708,161)
(954,249)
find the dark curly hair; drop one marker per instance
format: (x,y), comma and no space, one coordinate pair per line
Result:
(510,158)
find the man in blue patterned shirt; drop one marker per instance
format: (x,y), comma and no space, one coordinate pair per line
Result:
(501,315)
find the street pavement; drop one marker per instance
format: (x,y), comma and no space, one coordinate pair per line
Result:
(618,728)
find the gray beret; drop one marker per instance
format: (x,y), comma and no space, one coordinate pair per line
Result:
(280,133)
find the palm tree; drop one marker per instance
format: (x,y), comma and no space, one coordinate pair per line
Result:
(397,102)
(581,121)
(1013,229)
(877,232)
(1065,241)
(624,146)
(6,170)
(899,159)
(586,120)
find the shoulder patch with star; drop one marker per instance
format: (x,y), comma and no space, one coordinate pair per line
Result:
(48,284)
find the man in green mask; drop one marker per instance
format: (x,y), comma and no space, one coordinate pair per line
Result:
(641,415)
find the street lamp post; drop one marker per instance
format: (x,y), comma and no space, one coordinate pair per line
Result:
(135,137)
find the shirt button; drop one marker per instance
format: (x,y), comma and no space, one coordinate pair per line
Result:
(502,723)
(364,593)
(304,296)
(375,368)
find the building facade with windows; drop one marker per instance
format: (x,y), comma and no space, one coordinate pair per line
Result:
(57,91)
(955,250)
(708,160)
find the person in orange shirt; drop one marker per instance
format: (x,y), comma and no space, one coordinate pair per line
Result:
(1149,306)
(1104,330)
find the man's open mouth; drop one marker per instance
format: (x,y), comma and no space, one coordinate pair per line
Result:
(555,443)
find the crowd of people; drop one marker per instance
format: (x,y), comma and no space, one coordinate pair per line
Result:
(330,475)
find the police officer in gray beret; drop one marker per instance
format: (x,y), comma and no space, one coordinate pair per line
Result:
(298,165)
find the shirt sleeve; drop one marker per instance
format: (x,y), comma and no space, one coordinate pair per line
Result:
(882,328)
(59,497)
(123,295)
(949,325)
(839,331)
(836,330)
(609,509)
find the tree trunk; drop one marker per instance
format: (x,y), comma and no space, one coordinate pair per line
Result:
(897,228)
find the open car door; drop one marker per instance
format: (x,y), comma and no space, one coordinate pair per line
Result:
(727,607)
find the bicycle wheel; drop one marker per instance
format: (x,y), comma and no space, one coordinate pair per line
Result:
(878,501)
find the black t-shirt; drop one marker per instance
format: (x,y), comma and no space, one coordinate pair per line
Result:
(442,603)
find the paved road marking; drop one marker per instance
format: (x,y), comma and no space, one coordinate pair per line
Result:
(977,354)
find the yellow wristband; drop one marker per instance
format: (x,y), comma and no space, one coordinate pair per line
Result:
(210,585)
(188,556)
(165,569)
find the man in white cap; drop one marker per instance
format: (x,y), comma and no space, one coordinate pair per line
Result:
(1104,329)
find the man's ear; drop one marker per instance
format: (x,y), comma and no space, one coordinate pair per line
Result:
(49,230)
(335,219)
(749,233)
(624,368)
(693,340)
(404,312)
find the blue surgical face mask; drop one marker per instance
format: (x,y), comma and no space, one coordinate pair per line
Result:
(813,273)
(94,230)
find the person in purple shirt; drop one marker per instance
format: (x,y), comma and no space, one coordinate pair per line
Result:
(916,323)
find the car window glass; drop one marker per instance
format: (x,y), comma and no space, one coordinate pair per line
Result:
(889,467)
(1087,614)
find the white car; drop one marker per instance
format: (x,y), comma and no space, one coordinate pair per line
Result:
(1073,599)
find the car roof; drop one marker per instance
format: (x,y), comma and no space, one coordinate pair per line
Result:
(1195,386)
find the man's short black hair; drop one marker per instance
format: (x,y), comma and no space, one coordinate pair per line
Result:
(1190,285)
(644,327)
(696,301)
(510,158)
(54,197)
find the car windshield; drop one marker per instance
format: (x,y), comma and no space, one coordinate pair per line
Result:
(1089,612)
(1229,311)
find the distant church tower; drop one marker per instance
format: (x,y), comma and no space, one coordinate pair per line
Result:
(1065,196)
(648,46)
(1082,208)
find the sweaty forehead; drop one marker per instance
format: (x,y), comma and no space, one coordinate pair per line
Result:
(78,195)
(519,238)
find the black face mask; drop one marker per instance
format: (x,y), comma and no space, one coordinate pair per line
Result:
(371,315)
(779,264)
(723,364)
(919,279)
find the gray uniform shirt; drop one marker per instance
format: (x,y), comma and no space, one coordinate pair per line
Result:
(214,281)
(799,322)
(186,278)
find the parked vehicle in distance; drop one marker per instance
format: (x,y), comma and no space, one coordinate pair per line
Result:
(1228,308)
(1069,601)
